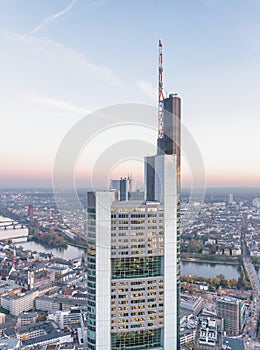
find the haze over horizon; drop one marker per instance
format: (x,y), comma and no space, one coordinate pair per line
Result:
(62,60)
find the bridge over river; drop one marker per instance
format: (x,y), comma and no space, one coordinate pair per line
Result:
(7,224)
(12,230)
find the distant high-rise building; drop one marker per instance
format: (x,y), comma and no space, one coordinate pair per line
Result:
(115,184)
(124,189)
(230,198)
(244,221)
(132,184)
(30,211)
(127,189)
(230,309)
(256,203)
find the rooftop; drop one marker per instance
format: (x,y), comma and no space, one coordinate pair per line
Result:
(229,300)
(232,344)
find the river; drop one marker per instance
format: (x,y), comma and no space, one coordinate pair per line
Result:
(209,270)
(187,268)
(65,253)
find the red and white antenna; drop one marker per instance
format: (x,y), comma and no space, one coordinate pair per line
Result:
(160,94)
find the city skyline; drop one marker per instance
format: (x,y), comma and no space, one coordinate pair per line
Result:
(58,59)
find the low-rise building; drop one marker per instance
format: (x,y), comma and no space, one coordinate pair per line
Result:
(187,336)
(26,318)
(208,335)
(236,251)
(191,303)
(67,319)
(10,344)
(19,303)
(233,344)
(52,305)
(9,288)
(48,339)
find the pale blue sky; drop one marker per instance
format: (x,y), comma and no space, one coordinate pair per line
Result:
(60,59)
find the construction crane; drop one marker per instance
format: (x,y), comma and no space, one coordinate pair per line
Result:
(160,94)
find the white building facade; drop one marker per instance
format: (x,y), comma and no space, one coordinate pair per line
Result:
(133,269)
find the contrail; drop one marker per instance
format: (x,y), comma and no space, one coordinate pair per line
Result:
(52,18)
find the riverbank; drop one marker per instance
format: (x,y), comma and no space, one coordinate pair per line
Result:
(55,239)
(210,261)
(47,239)
(77,244)
(213,283)
(63,253)
(212,258)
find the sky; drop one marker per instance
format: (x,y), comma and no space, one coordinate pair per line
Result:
(63,59)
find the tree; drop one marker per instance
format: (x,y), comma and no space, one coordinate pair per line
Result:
(41,318)
(195,246)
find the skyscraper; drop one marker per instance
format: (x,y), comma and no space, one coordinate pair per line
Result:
(30,211)
(124,189)
(133,255)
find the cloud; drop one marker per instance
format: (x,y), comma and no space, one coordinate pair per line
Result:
(53,48)
(52,18)
(59,104)
(147,89)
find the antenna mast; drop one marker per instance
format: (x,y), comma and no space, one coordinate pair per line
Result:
(160,94)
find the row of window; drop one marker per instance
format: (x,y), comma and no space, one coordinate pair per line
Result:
(141,215)
(145,339)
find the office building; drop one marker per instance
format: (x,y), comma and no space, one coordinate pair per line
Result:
(230,199)
(256,203)
(42,334)
(10,344)
(191,303)
(19,303)
(234,344)
(30,211)
(124,189)
(132,273)
(133,255)
(230,310)
(208,335)
(53,304)
(26,318)
(67,319)
(115,184)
